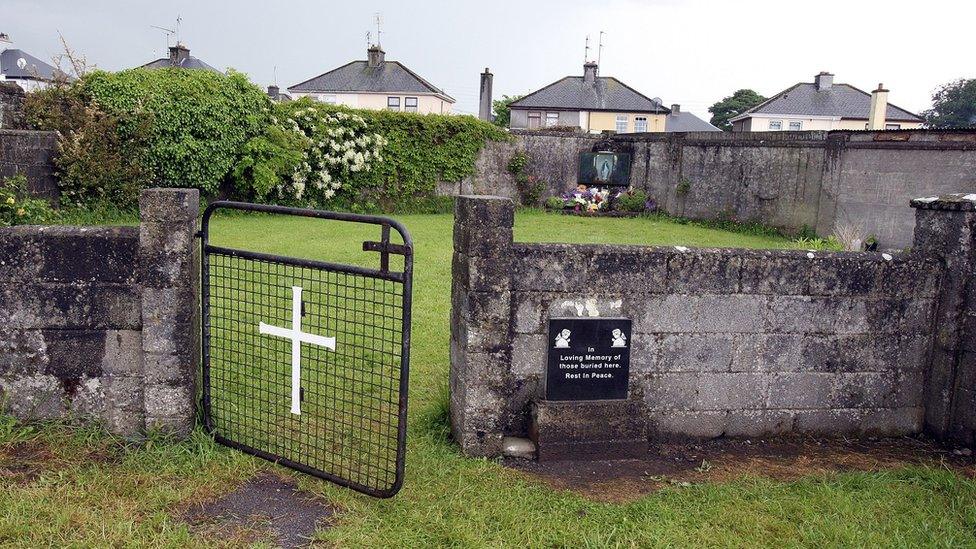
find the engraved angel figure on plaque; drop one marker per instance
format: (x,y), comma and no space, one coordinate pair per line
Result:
(618,339)
(562,339)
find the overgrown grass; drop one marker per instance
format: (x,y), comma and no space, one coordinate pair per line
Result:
(133,496)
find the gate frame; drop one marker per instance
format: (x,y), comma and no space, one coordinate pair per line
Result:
(385,248)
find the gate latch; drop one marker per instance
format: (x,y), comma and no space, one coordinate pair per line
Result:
(385,248)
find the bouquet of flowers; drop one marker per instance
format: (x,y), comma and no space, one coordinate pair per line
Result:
(597,200)
(587,200)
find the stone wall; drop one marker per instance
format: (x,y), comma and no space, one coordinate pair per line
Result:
(101,321)
(30,153)
(819,180)
(12,106)
(946,230)
(725,341)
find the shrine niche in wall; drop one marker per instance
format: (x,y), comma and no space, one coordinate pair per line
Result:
(604,168)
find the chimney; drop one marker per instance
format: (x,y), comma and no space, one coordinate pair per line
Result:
(590,71)
(823,80)
(376,56)
(675,108)
(178,54)
(879,108)
(273,92)
(484,109)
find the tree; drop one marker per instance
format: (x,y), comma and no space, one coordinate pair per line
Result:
(500,107)
(953,105)
(732,106)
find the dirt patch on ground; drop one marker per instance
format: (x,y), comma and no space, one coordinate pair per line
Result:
(266,508)
(724,459)
(23,462)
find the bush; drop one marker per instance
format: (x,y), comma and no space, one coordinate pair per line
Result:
(17,208)
(631,201)
(555,203)
(94,163)
(389,159)
(198,120)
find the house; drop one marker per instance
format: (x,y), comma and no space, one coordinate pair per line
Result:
(591,102)
(375,84)
(683,121)
(180,58)
(22,68)
(824,105)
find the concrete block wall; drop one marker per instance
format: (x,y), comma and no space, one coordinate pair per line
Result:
(725,341)
(100,322)
(30,153)
(819,180)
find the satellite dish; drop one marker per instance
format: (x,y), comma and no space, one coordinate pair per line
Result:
(21,63)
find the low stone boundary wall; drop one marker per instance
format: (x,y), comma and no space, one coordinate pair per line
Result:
(101,321)
(724,341)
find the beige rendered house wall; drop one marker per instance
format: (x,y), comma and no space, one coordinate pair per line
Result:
(600,121)
(426,103)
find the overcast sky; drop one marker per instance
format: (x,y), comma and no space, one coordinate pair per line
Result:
(692,53)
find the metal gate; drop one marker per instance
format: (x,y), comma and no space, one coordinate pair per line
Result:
(305,362)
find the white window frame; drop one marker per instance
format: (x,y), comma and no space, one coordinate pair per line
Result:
(798,124)
(552,119)
(775,125)
(892,126)
(622,119)
(407,107)
(390,103)
(640,124)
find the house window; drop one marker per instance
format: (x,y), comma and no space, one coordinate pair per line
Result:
(410,104)
(775,125)
(640,124)
(329,99)
(796,126)
(552,119)
(393,103)
(535,120)
(621,123)
(892,126)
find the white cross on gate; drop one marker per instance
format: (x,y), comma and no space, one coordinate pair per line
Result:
(297,336)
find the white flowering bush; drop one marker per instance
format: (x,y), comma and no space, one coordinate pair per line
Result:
(337,145)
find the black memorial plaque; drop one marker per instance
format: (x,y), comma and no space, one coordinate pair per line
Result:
(589,358)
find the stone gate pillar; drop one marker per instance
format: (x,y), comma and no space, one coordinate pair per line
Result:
(169,279)
(480,319)
(945,227)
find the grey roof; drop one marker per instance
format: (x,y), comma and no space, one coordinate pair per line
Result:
(189,63)
(686,122)
(841,100)
(358,76)
(605,94)
(35,68)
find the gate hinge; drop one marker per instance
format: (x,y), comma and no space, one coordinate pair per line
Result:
(198,234)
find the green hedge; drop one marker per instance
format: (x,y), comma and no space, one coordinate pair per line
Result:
(221,134)
(199,119)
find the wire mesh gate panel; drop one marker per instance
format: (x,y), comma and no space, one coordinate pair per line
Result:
(305,362)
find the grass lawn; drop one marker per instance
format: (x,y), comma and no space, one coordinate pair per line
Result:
(75,486)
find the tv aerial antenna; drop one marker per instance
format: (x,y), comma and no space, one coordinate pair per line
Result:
(599,51)
(171,32)
(378,18)
(586,50)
